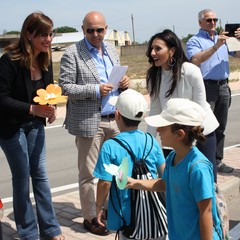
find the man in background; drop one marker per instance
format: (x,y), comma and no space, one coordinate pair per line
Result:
(208,50)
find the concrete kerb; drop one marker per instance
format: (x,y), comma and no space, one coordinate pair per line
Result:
(234,233)
(230,189)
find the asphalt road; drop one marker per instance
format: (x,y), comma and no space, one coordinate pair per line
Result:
(233,128)
(61,162)
(62,155)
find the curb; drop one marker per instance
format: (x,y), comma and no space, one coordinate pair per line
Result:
(234,233)
(231,189)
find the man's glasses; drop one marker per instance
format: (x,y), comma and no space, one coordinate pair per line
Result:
(209,20)
(92,30)
(45,35)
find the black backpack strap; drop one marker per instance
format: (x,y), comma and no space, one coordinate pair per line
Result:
(123,145)
(115,209)
(130,152)
(146,145)
(119,203)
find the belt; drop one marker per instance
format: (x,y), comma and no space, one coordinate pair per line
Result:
(216,82)
(109,116)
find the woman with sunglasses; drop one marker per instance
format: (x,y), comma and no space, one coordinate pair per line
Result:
(208,50)
(171,75)
(25,67)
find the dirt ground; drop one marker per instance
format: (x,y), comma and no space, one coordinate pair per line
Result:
(56,57)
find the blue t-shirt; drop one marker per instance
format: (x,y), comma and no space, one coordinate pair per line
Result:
(184,189)
(112,153)
(217,66)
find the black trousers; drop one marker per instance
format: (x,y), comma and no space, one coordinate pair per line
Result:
(219,98)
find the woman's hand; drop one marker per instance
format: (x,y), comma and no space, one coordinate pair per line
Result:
(53,117)
(45,111)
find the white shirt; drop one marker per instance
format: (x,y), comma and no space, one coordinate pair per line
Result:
(190,86)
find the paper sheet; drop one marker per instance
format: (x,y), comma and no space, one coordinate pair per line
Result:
(116,75)
(233,44)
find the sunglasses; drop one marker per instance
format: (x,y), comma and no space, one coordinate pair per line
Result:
(45,35)
(92,30)
(209,20)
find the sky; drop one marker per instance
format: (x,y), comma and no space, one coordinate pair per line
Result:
(144,18)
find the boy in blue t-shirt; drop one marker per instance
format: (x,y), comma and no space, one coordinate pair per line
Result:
(131,107)
(188,182)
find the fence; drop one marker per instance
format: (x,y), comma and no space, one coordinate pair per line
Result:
(133,50)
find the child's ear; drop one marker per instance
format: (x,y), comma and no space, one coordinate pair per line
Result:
(180,135)
(117,114)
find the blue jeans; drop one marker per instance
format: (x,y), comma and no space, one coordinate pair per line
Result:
(26,156)
(219,98)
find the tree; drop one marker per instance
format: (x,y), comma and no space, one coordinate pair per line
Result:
(65,29)
(185,39)
(219,29)
(12,32)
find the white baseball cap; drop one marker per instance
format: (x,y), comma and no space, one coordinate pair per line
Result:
(178,110)
(129,103)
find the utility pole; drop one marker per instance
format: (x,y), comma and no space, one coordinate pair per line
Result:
(133,29)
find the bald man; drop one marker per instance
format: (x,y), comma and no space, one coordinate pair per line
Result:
(84,71)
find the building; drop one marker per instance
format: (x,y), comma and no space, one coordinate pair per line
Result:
(62,40)
(6,40)
(118,39)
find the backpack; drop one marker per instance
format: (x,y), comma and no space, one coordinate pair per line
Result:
(221,206)
(148,210)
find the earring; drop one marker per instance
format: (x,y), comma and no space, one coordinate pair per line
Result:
(171,61)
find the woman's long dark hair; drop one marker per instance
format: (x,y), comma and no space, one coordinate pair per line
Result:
(154,73)
(22,50)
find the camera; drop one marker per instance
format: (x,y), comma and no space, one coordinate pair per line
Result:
(231,28)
